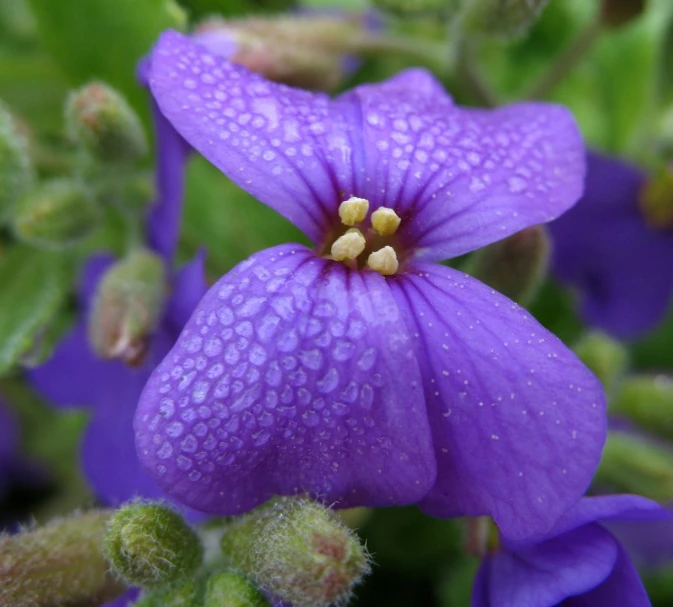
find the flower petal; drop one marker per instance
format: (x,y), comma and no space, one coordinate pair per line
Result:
(464,178)
(545,574)
(623,587)
(280,144)
(481,587)
(189,286)
(624,290)
(518,421)
(294,375)
(165,215)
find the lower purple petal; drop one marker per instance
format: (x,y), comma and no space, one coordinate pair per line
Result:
(480,588)
(293,375)
(623,588)
(518,421)
(545,574)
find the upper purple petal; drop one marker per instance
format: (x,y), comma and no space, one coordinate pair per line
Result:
(464,178)
(601,508)
(603,247)
(545,574)
(518,421)
(623,588)
(459,178)
(295,374)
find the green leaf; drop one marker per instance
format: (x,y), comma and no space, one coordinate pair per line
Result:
(34,286)
(104,40)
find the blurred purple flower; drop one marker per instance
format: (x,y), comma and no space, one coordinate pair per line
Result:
(579,563)
(298,373)
(603,247)
(9,444)
(75,376)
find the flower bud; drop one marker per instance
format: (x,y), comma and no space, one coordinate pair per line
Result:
(128,307)
(656,199)
(516,265)
(151,545)
(606,357)
(306,51)
(16,171)
(184,593)
(501,18)
(633,464)
(61,563)
(231,589)
(420,7)
(297,550)
(100,120)
(648,402)
(55,215)
(615,13)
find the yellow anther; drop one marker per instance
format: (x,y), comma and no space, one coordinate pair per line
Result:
(385,221)
(384,261)
(353,210)
(348,246)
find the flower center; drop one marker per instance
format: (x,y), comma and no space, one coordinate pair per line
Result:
(367,241)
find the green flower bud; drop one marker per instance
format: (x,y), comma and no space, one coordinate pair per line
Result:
(16,171)
(606,357)
(151,545)
(501,18)
(61,563)
(632,464)
(647,401)
(656,199)
(304,51)
(420,7)
(298,551)
(57,214)
(615,13)
(185,593)
(231,589)
(128,307)
(516,265)
(100,120)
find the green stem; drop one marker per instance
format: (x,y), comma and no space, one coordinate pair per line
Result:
(471,77)
(427,52)
(566,61)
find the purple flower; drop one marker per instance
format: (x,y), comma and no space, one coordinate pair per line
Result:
(603,247)
(75,376)
(378,380)
(8,446)
(579,563)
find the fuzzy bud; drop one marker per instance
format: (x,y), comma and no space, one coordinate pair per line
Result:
(100,120)
(61,563)
(128,307)
(615,13)
(231,589)
(633,464)
(501,18)
(516,265)
(606,357)
(149,545)
(184,593)
(57,214)
(297,550)
(16,171)
(656,199)
(307,51)
(648,402)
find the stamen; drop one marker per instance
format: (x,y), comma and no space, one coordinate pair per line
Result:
(353,210)
(385,221)
(384,261)
(348,246)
